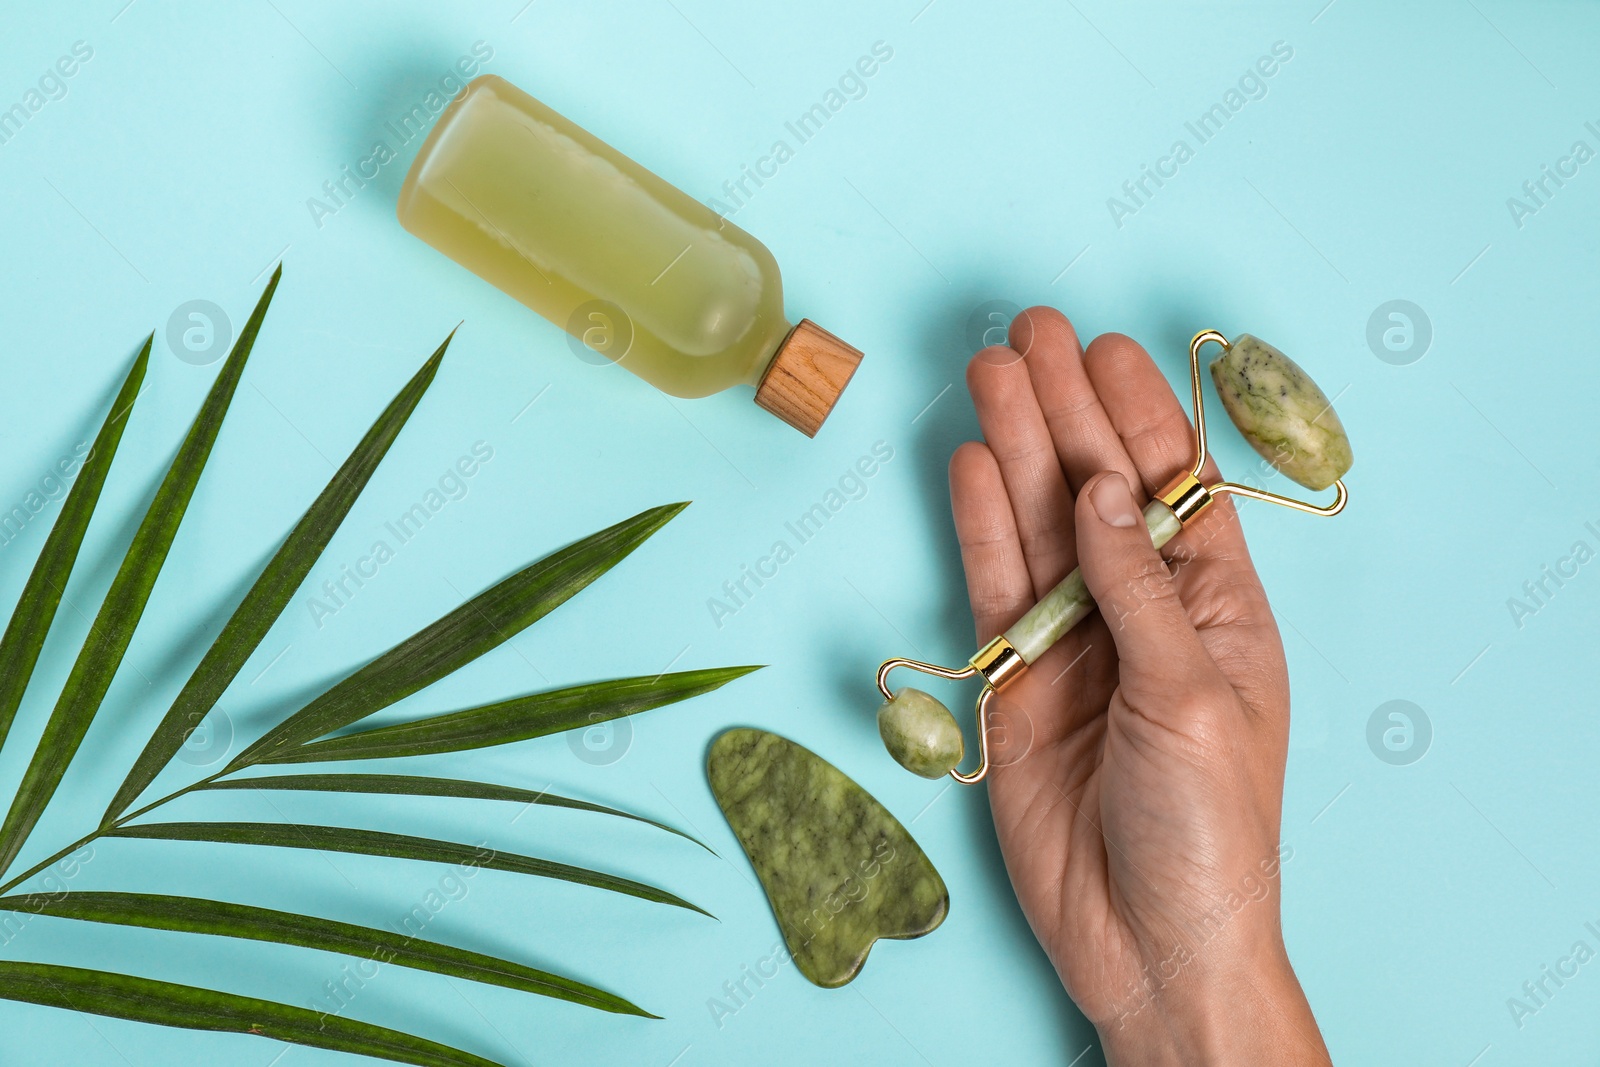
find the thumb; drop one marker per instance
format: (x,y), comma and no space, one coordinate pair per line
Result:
(1156,643)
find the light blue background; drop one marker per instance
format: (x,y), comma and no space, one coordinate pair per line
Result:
(977,167)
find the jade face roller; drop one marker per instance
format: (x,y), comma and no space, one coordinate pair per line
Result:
(1284,416)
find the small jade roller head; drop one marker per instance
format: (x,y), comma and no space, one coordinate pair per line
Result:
(920,733)
(1281,412)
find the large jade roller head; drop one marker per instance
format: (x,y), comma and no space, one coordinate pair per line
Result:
(1281,412)
(1276,407)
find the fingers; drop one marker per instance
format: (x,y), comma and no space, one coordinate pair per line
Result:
(1019,442)
(1215,577)
(998,584)
(1084,439)
(1159,439)
(1157,646)
(1149,420)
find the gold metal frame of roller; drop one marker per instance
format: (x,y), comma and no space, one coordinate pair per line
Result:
(999,664)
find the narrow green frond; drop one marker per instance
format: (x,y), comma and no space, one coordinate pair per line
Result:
(41,596)
(518,719)
(394,846)
(421,786)
(125,601)
(146,1000)
(483,623)
(272,590)
(399,946)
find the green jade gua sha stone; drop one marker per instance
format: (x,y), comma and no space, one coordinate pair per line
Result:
(1276,407)
(838,869)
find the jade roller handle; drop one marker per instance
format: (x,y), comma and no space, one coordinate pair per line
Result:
(919,731)
(1069,602)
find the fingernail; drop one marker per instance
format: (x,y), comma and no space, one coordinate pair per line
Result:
(1113,502)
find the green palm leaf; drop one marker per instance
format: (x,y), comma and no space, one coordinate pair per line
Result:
(396,846)
(518,719)
(476,627)
(125,601)
(214,917)
(270,594)
(41,596)
(481,624)
(421,786)
(146,1000)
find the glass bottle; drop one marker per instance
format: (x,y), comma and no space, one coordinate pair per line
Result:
(633,267)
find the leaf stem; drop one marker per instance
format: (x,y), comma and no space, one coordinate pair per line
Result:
(104,827)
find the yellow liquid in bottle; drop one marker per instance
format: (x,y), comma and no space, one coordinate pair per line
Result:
(567,225)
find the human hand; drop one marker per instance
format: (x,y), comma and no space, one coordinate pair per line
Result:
(1138,790)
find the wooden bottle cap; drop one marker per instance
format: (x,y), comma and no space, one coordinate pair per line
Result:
(807,375)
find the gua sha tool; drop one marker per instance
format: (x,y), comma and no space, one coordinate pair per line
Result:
(838,869)
(1284,416)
